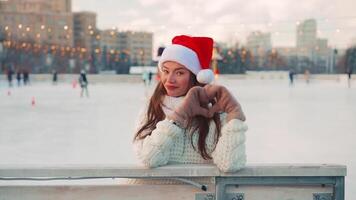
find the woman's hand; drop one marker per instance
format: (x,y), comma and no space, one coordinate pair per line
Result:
(225,102)
(194,103)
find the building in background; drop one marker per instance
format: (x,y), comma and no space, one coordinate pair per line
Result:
(109,39)
(313,53)
(232,59)
(36,6)
(259,44)
(310,52)
(40,21)
(307,34)
(38,34)
(138,45)
(42,35)
(86,34)
(120,49)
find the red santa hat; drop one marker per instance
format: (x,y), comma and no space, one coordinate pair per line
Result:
(194,53)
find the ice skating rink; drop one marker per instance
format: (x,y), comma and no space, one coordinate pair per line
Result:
(307,123)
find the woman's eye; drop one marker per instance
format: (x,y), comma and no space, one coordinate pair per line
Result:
(165,71)
(180,73)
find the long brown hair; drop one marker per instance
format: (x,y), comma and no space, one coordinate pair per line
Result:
(155,114)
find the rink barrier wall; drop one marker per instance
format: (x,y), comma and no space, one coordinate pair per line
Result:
(126,78)
(281,181)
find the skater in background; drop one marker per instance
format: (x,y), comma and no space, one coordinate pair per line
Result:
(145,77)
(83,81)
(291,77)
(349,74)
(307,76)
(18,77)
(150,74)
(9,73)
(26,77)
(54,77)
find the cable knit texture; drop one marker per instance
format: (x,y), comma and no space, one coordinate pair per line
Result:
(170,144)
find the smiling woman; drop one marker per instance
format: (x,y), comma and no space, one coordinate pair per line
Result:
(189,120)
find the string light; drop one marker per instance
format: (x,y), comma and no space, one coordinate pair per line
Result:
(98,37)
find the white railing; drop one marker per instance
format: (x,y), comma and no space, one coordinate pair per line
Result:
(312,182)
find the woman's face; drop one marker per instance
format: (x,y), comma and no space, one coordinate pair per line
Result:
(175,78)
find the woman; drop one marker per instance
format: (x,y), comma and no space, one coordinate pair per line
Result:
(188,120)
(83,81)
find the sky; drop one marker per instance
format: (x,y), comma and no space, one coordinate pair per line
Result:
(228,21)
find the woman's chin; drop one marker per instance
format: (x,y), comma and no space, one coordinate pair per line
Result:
(172,94)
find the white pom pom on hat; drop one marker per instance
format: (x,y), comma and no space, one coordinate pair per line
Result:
(205,76)
(194,53)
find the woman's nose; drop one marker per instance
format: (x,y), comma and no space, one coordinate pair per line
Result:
(171,78)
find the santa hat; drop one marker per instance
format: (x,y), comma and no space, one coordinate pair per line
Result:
(194,53)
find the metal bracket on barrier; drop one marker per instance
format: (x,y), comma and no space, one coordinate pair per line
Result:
(229,196)
(193,183)
(322,196)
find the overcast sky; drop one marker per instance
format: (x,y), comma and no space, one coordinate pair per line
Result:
(227,20)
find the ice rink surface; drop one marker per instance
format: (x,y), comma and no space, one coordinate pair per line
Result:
(313,123)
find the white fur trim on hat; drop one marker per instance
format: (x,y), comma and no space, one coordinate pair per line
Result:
(182,55)
(205,76)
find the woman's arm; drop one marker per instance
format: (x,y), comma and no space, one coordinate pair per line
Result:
(229,154)
(154,149)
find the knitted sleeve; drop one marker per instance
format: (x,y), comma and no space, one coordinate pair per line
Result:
(229,154)
(154,150)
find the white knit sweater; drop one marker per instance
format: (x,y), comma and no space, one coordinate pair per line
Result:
(170,144)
